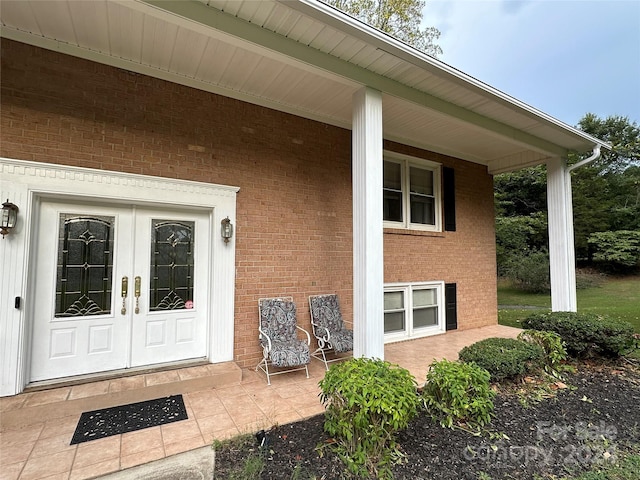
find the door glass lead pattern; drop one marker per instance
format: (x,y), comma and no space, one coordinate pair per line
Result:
(84,266)
(171,282)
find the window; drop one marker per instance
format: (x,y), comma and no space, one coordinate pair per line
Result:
(411,193)
(413,310)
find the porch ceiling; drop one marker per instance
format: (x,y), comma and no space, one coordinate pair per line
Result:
(300,57)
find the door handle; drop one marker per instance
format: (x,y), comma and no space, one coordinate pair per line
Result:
(136,292)
(124,290)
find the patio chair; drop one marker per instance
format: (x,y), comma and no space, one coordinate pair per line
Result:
(329,329)
(281,346)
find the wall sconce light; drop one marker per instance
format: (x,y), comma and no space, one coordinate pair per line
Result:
(226,229)
(9,217)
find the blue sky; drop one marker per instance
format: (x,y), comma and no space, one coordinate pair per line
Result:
(564,57)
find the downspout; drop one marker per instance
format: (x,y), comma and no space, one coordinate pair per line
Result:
(594,156)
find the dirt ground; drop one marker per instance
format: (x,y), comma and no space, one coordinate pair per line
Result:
(591,421)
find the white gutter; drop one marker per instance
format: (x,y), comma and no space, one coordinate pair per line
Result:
(594,156)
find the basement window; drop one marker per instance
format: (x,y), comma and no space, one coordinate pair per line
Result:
(413,310)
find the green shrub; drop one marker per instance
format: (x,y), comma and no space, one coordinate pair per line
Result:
(367,402)
(554,351)
(529,271)
(504,358)
(585,333)
(458,393)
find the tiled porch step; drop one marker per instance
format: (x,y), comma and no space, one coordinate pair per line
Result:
(73,400)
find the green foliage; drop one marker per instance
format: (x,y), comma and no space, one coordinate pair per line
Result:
(554,350)
(529,272)
(625,469)
(521,193)
(619,249)
(458,394)
(606,193)
(251,468)
(252,464)
(585,333)
(367,401)
(504,358)
(621,133)
(519,236)
(402,19)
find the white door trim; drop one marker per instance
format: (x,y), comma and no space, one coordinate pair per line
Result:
(26,182)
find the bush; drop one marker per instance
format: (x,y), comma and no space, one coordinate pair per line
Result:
(585,333)
(367,402)
(458,393)
(529,272)
(504,358)
(554,350)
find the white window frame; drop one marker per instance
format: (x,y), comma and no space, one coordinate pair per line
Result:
(406,162)
(409,331)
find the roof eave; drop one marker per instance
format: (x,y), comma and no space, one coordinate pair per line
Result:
(340,20)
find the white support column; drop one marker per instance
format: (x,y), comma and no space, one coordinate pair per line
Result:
(368,255)
(561,242)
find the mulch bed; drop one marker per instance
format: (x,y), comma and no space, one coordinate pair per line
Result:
(592,422)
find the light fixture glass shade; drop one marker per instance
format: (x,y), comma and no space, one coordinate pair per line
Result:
(9,217)
(226,229)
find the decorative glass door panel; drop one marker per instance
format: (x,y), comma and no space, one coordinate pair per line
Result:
(85,265)
(116,287)
(171,265)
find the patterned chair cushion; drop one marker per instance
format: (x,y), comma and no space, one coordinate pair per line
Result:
(342,341)
(278,319)
(289,354)
(325,312)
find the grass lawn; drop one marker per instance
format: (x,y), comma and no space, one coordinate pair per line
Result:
(616,297)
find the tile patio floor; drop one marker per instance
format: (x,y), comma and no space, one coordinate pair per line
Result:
(221,400)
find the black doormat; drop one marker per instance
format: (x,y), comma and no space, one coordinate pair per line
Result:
(129,418)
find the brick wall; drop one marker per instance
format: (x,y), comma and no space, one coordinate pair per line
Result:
(293,228)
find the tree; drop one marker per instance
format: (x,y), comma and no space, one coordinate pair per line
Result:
(399,18)
(617,250)
(606,198)
(606,192)
(623,136)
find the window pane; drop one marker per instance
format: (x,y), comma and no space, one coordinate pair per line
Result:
(393,300)
(392,176)
(394,322)
(171,286)
(424,297)
(392,192)
(425,317)
(421,181)
(392,206)
(422,210)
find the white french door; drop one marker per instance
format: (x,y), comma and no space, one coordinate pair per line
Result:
(118,287)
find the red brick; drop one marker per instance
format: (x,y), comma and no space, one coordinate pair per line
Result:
(294,208)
